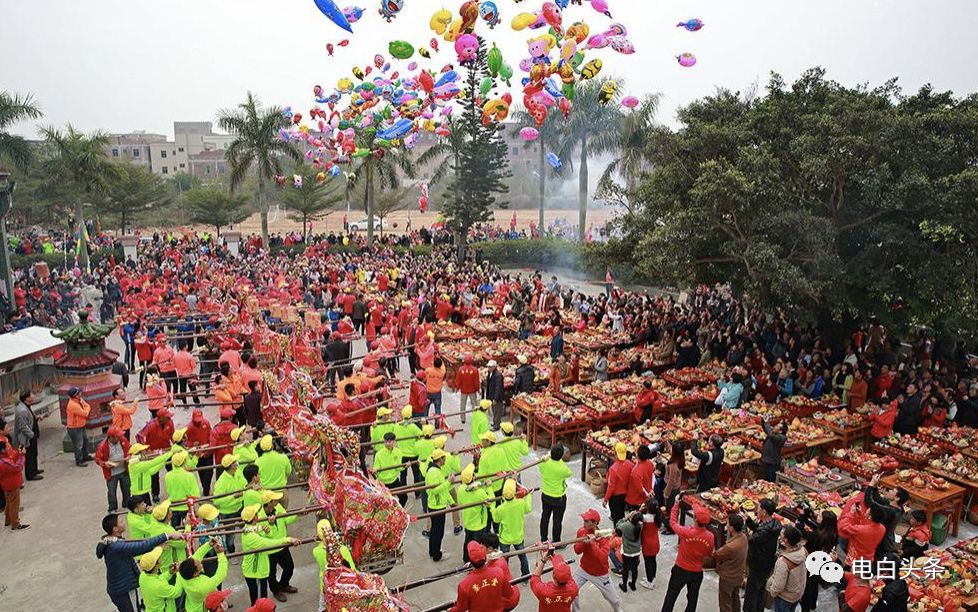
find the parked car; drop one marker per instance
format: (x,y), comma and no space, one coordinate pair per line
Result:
(361,225)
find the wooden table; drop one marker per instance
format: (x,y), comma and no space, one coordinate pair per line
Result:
(933,502)
(556,429)
(917,462)
(791,478)
(849,468)
(525,410)
(848,436)
(970,485)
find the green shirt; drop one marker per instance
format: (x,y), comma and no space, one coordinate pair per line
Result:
(181,484)
(246,453)
(197,589)
(274,468)
(251,497)
(175,550)
(256,565)
(226,483)
(322,558)
(425,447)
(141,472)
(493,461)
(281,527)
(158,594)
(377,434)
(385,458)
(480,425)
(408,447)
(453,464)
(439,496)
(192,459)
(515,451)
(553,478)
(138,525)
(476,518)
(511,515)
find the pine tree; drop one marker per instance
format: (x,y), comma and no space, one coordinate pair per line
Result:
(483,165)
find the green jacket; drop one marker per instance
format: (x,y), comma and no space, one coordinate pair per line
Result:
(439,496)
(138,525)
(631,537)
(385,458)
(226,483)
(250,497)
(175,550)
(511,516)
(553,478)
(480,425)
(453,464)
(425,447)
(281,527)
(247,453)
(257,565)
(181,484)
(274,468)
(141,472)
(408,447)
(476,518)
(158,594)
(192,459)
(515,451)
(197,589)
(377,434)
(493,461)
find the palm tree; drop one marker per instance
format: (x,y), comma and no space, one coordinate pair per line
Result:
(381,167)
(444,157)
(14,109)
(591,128)
(312,201)
(257,146)
(630,146)
(80,161)
(550,133)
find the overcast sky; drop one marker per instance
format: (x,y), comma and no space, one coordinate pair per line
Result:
(124,65)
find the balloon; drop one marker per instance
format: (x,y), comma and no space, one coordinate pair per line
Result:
(469,12)
(353,13)
(621,45)
(578,32)
(523,21)
(485,86)
(329,8)
(423,203)
(554,161)
(506,72)
(489,13)
(601,6)
(598,41)
(412,67)
(608,91)
(400,49)
(426,81)
(686,60)
(692,25)
(551,14)
(529,134)
(629,101)
(390,8)
(591,69)
(467,48)
(568,50)
(440,20)
(495,60)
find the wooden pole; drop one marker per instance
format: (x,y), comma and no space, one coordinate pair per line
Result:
(438,432)
(235,522)
(419,418)
(295,485)
(465,506)
(467,449)
(483,483)
(269,548)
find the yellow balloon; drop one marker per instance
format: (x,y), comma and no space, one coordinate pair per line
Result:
(440,20)
(344,84)
(454,31)
(568,50)
(523,21)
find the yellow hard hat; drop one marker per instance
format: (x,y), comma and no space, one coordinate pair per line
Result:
(490,436)
(228,459)
(266,442)
(468,473)
(621,450)
(485,404)
(249,512)
(383,411)
(149,560)
(178,434)
(323,527)
(270,496)
(506,426)
(160,510)
(440,441)
(137,448)
(407,411)
(236,433)
(428,430)
(208,512)
(509,489)
(180,458)
(438,454)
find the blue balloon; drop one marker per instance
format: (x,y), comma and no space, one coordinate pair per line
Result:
(449,77)
(399,129)
(554,161)
(334,171)
(552,88)
(329,8)
(562,3)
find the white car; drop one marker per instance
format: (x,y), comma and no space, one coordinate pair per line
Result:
(361,225)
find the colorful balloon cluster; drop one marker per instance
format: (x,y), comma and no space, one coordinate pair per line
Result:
(688,60)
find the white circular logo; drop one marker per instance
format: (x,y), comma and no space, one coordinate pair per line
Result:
(821,564)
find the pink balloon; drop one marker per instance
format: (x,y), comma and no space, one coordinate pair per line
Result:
(529,134)
(601,6)
(686,60)
(629,101)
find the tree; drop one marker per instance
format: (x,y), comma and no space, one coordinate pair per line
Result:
(215,207)
(382,167)
(134,192)
(257,147)
(549,136)
(630,149)
(311,202)
(483,163)
(80,164)
(388,202)
(591,129)
(14,109)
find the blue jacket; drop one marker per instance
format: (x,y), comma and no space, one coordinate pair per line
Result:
(557,346)
(121,573)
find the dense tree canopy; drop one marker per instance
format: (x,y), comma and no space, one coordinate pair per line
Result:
(820,198)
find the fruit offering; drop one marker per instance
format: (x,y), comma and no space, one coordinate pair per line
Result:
(865,462)
(957,465)
(908,444)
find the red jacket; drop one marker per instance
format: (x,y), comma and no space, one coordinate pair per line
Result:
(12,470)
(883,422)
(594,556)
(483,590)
(102,455)
(864,536)
(221,436)
(857,596)
(198,435)
(554,597)
(467,379)
(650,539)
(695,543)
(158,437)
(618,475)
(640,483)
(646,397)
(509,603)
(418,398)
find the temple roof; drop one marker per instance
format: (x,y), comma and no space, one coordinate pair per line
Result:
(85,332)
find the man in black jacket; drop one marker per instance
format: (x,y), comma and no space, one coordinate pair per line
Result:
(494,393)
(710,463)
(910,414)
(773,445)
(523,380)
(335,353)
(762,552)
(895,594)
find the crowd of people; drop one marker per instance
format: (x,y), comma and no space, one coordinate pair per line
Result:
(157,469)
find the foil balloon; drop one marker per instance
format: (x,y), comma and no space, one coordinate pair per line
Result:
(591,69)
(329,8)
(554,161)
(630,102)
(467,48)
(353,13)
(489,13)
(439,22)
(692,25)
(602,7)
(390,8)
(523,21)
(529,134)
(401,49)
(686,60)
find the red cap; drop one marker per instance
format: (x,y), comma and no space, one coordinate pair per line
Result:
(263,605)
(198,416)
(115,432)
(562,572)
(163,413)
(592,515)
(421,375)
(227,413)
(468,358)
(215,599)
(702,515)
(477,552)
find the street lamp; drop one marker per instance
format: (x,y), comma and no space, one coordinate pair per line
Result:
(6,202)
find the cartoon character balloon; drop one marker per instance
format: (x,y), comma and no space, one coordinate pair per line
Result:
(467,48)
(554,161)
(489,13)
(692,25)
(329,8)
(390,8)
(686,60)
